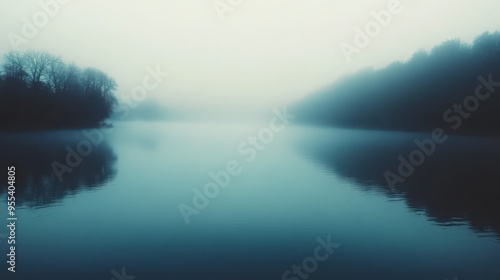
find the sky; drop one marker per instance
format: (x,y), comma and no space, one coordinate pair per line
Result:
(237,54)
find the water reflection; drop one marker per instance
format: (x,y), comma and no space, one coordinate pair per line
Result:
(459,183)
(33,154)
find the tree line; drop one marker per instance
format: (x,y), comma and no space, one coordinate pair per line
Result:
(40,91)
(453,86)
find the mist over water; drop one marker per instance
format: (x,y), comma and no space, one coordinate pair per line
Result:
(224,139)
(303,185)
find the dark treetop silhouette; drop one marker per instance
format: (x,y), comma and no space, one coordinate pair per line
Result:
(40,91)
(420,94)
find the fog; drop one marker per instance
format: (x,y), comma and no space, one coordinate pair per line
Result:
(262,139)
(440,88)
(243,58)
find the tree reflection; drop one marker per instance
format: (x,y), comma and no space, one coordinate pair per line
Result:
(459,183)
(33,154)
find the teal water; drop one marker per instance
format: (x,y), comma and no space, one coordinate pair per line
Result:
(119,208)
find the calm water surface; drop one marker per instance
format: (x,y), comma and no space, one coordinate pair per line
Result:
(120,207)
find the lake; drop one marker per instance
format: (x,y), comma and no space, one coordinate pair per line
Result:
(313,198)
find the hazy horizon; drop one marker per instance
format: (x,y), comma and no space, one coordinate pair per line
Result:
(232,139)
(261,55)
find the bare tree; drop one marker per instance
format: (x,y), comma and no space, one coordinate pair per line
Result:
(37,64)
(54,93)
(63,78)
(13,65)
(55,74)
(95,81)
(71,79)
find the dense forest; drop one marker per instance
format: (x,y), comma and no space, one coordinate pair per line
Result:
(40,91)
(453,86)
